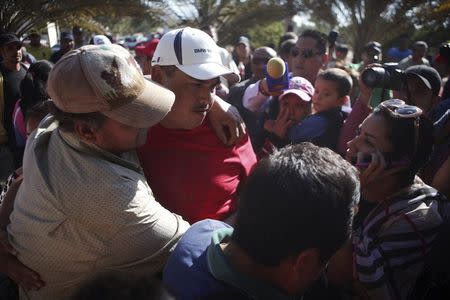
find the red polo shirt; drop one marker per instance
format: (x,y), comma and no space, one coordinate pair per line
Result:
(192,173)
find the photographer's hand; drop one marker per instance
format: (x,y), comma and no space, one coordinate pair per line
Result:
(365,92)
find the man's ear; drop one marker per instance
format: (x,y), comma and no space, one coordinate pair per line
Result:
(158,74)
(308,264)
(85,132)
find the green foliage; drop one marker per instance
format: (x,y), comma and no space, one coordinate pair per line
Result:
(264,35)
(19,16)
(361,21)
(232,18)
(129,25)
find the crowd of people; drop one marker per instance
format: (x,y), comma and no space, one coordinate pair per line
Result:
(178,170)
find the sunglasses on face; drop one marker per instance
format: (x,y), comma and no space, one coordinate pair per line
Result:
(305,53)
(260,60)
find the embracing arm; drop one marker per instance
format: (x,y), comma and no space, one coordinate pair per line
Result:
(226,121)
(9,264)
(8,202)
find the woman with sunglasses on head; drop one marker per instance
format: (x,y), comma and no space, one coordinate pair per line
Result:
(389,247)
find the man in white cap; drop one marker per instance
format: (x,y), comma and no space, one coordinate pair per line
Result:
(84,206)
(191,171)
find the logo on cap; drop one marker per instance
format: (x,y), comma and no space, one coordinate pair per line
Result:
(202,50)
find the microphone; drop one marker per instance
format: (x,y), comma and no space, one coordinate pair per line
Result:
(277,74)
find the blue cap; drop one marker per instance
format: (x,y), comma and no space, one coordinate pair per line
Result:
(66,36)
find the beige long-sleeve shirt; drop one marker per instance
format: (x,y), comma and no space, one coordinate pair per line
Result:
(82,211)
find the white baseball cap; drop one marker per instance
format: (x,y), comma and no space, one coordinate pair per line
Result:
(107,79)
(194,52)
(101,39)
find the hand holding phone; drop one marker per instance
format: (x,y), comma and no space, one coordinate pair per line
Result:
(378,166)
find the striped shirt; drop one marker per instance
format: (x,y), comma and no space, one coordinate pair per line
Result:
(391,245)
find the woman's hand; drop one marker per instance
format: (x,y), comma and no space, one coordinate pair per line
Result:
(375,170)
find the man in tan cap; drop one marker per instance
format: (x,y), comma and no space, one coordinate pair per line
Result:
(84,206)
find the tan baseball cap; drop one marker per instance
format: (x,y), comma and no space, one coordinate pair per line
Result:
(107,79)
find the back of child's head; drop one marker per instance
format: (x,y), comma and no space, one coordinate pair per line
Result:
(34,86)
(341,78)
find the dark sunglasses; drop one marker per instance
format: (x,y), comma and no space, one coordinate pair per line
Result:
(260,60)
(305,53)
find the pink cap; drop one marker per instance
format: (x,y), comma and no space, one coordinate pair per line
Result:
(301,87)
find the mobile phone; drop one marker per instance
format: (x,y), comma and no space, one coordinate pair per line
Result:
(393,160)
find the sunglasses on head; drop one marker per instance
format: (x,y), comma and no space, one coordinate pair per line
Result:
(305,53)
(397,108)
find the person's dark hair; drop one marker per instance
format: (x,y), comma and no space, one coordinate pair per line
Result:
(285,37)
(444,52)
(169,70)
(342,48)
(39,110)
(341,78)
(300,197)
(319,37)
(67,120)
(402,134)
(77,29)
(34,85)
(286,46)
(121,287)
(420,44)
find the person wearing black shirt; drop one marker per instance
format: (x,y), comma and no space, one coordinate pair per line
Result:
(66,44)
(12,72)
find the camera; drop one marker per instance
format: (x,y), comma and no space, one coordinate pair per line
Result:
(388,76)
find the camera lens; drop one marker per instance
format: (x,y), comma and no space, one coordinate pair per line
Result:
(373,77)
